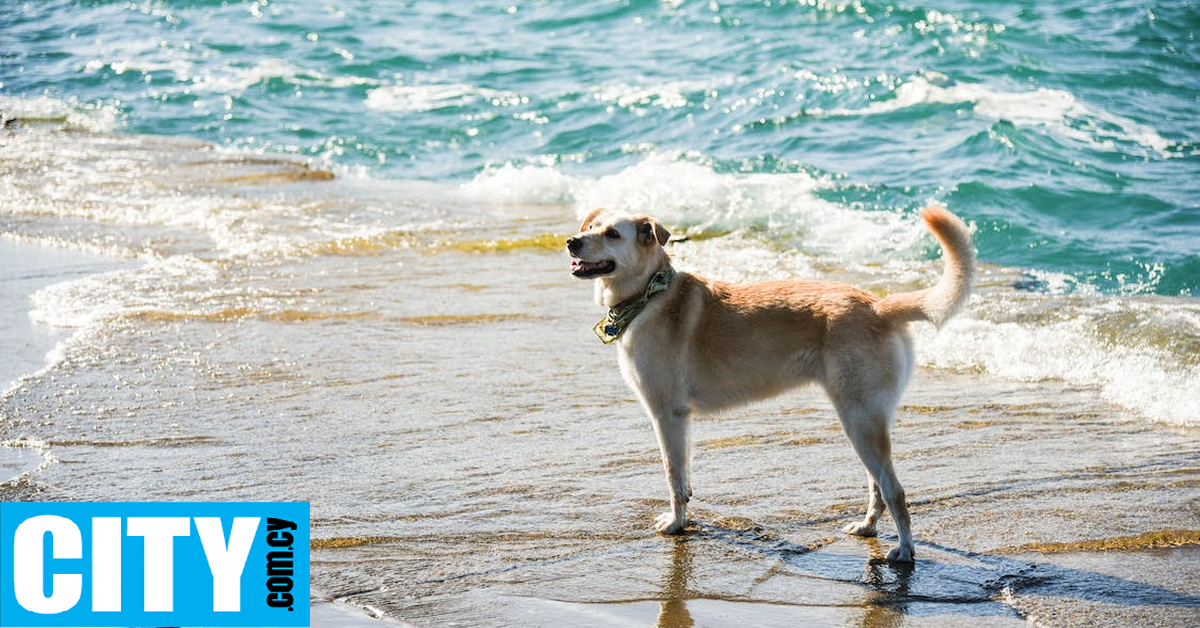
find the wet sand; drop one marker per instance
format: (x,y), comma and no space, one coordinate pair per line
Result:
(472,457)
(25,268)
(1000,487)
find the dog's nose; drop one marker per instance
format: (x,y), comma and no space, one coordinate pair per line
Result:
(573,244)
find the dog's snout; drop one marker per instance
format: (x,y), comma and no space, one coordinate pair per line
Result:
(574,244)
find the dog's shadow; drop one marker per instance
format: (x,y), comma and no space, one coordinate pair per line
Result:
(945,581)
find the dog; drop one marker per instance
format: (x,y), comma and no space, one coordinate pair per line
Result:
(689,345)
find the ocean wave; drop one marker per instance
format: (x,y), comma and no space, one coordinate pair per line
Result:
(28,456)
(524,185)
(687,190)
(777,226)
(180,68)
(670,95)
(1057,110)
(1154,381)
(232,80)
(87,301)
(421,98)
(144,196)
(71,113)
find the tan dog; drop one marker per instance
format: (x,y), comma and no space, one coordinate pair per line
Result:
(698,345)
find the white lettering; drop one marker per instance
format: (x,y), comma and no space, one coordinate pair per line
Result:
(106,564)
(65,542)
(226,563)
(159,568)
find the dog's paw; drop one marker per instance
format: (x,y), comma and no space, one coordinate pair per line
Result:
(668,523)
(902,553)
(860,528)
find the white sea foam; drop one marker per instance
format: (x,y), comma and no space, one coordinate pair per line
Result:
(1140,378)
(24,457)
(670,95)
(683,189)
(524,185)
(132,188)
(417,98)
(235,80)
(158,284)
(1057,110)
(236,227)
(95,117)
(885,249)
(180,68)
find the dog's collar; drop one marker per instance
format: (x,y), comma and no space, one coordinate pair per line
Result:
(622,314)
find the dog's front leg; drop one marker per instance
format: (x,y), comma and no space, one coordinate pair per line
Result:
(673,425)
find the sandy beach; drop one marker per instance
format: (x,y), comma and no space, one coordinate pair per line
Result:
(27,268)
(472,457)
(287,251)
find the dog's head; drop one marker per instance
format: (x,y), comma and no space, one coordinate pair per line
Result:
(616,246)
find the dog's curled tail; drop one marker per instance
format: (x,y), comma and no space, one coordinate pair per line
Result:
(939,303)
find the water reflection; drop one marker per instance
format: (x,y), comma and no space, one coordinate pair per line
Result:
(887,604)
(948,582)
(673,610)
(884,608)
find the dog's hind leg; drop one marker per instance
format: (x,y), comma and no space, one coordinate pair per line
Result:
(673,428)
(868,432)
(866,527)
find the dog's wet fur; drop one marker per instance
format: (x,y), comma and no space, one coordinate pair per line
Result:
(704,345)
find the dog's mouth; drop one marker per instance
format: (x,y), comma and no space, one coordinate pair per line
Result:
(587,270)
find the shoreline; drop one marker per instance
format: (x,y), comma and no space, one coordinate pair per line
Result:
(472,455)
(29,267)
(672,582)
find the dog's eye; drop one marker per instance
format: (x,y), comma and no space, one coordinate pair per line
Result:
(612,234)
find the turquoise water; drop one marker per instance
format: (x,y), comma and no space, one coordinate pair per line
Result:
(333,271)
(1066,131)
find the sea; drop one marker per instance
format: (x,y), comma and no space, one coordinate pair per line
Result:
(313,251)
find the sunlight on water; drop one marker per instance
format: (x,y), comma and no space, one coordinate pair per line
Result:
(334,272)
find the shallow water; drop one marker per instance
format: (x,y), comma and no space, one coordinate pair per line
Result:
(1066,132)
(271,250)
(420,367)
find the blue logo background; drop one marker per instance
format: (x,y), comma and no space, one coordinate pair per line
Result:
(193,580)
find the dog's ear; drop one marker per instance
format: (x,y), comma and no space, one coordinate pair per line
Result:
(587,221)
(651,230)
